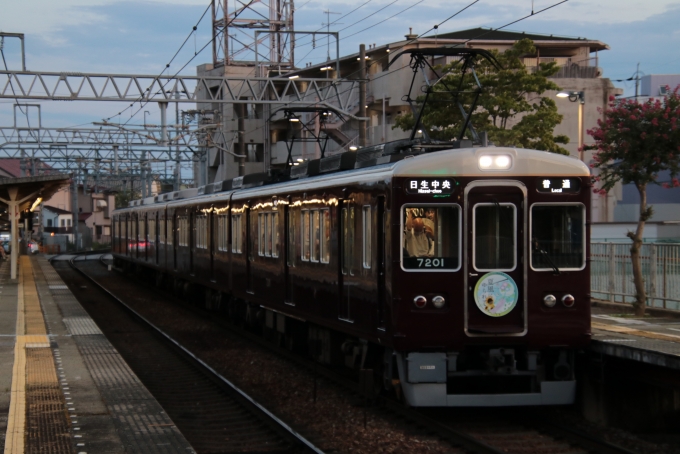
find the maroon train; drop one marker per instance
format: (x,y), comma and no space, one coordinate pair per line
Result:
(459,276)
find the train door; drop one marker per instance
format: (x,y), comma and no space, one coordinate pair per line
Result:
(289,251)
(380,260)
(175,239)
(495,302)
(250,248)
(192,240)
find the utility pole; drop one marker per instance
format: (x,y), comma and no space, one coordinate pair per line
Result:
(362,95)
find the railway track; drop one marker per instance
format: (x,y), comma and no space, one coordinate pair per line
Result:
(479,431)
(214,415)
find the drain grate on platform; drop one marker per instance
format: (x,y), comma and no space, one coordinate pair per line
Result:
(47,422)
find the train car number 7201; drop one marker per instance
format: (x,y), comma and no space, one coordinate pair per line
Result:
(430,263)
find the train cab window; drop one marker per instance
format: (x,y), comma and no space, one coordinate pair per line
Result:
(431,237)
(236,234)
(557,237)
(347,240)
(494,236)
(366,230)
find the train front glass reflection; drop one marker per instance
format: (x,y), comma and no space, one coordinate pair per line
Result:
(431,237)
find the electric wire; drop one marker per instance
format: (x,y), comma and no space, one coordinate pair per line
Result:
(193,31)
(387,73)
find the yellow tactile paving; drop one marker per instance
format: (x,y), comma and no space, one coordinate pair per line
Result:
(635,332)
(30,333)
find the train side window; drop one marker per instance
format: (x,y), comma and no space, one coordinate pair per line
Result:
(316,235)
(201,232)
(305,232)
(161,231)
(152,230)
(325,235)
(140,229)
(275,234)
(268,234)
(183,230)
(557,237)
(291,239)
(366,230)
(222,232)
(494,236)
(260,233)
(236,234)
(347,240)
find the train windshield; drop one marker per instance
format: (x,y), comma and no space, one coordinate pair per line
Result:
(431,238)
(557,237)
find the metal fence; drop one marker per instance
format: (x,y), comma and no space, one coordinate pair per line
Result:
(612,273)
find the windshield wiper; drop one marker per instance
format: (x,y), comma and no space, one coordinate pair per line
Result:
(547,257)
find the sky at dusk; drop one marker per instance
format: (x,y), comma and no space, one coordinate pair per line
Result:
(141,37)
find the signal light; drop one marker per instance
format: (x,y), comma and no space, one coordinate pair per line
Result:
(549,300)
(438,301)
(568,300)
(420,301)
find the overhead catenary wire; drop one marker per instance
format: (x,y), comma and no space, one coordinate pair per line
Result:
(387,73)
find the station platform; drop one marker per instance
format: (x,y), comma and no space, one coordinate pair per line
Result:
(63,387)
(653,339)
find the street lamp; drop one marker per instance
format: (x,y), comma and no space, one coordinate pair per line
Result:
(575,96)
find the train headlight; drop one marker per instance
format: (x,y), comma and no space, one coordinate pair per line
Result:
(568,300)
(420,301)
(549,300)
(438,301)
(495,162)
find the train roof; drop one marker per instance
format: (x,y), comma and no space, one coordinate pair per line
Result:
(451,162)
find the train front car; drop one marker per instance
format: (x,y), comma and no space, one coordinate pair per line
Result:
(491,285)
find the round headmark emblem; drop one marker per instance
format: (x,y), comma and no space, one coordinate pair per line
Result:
(496,294)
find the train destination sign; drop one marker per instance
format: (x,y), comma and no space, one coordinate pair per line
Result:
(433,186)
(558,185)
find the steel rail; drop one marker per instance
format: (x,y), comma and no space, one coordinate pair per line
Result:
(309,445)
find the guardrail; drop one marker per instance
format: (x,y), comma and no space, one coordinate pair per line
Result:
(611,273)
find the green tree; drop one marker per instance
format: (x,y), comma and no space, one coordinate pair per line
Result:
(634,142)
(510,108)
(123,197)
